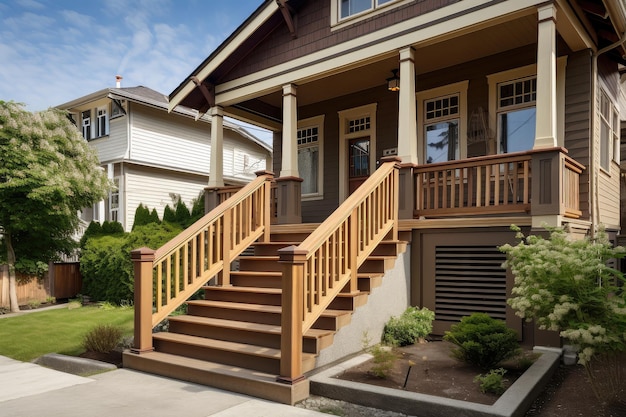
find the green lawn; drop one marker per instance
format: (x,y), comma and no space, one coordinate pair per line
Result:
(29,336)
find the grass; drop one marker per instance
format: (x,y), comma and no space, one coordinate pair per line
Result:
(28,336)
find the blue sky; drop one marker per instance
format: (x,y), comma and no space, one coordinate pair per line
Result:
(53,51)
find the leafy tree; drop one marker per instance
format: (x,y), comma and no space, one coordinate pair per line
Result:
(47,174)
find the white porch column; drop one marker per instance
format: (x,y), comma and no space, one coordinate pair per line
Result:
(546,128)
(407,116)
(216,171)
(289,166)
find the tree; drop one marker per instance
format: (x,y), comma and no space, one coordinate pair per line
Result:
(47,174)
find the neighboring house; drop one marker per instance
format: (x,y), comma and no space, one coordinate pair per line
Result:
(500,112)
(156,157)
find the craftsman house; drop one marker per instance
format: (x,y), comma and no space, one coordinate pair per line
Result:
(409,136)
(154,157)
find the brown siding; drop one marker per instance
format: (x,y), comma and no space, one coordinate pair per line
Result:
(577,119)
(312,22)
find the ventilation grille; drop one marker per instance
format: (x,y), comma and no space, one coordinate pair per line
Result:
(469,279)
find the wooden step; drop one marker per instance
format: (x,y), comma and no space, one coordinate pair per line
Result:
(259,313)
(244,355)
(221,376)
(313,341)
(368,281)
(259,263)
(256,295)
(389,248)
(378,264)
(349,301)
(259,279)
(271,248)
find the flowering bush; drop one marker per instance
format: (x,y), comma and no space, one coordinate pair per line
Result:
(566,285)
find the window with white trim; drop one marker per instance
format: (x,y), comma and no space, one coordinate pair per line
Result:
(114,201)
(102,126)
(516,114)
(442,123)
(86,124)
(310,135)
(349,8)
(609,132)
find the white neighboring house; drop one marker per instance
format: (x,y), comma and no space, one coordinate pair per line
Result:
(155,157)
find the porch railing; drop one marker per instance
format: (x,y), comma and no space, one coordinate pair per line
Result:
(497,184)
(167,277)
(225,193)
(326,262)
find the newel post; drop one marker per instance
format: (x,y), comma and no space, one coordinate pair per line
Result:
(267,212)
(293,261)
(143,259)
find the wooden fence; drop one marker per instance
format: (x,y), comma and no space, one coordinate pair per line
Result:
(62,281)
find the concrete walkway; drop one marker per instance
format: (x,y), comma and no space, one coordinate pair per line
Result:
(29,390)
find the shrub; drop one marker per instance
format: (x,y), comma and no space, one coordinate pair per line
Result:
(567,285)
(169,215)
(106,266)
(482,341)
(94,229)
(102,338)
(413,324)
(112,228)
(492,382)
(384,358)
(142,216)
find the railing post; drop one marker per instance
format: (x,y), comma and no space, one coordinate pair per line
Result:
(267,204)
(293,261)
(354,249)
(211,199)
(142,262)
(289,198)
(227,244)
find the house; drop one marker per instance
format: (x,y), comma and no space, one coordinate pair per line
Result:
(409,136)
(156,157)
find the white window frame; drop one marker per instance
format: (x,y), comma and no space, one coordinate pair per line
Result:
(368,110)
(114,211)
(85,123)
(609,124)
(422,97)
(315,122)
(102,121)
(377,7)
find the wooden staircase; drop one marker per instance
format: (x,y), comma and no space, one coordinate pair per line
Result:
(232,338)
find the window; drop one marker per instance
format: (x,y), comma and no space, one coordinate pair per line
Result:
(347,9)
(516,114)
(442,118)
(102,127)
(114,201)
(86,123)
(442,129)
(309,155)
(609,132)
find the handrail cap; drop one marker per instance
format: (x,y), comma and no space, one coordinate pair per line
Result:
(142,254)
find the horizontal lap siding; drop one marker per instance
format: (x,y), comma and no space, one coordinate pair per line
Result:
(155,188)
(242,158)
(114,146)
(577,120)
(167,140)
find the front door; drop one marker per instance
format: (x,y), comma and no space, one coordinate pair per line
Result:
(358,162)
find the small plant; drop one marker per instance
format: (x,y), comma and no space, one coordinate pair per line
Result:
(492,382)
(482,341)
(413,324)
(51,300)
(384,358)
(34,304)
(102,338)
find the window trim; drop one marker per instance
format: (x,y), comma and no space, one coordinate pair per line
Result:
(88,125)
(421,97)
(98,132)
(613,134)
(337,22)
(316,121)
(344,138)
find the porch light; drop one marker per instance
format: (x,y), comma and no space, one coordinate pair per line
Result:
(393,82)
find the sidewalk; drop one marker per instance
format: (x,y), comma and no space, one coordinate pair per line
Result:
(29,390)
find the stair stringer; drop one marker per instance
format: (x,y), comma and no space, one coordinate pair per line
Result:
(391,298)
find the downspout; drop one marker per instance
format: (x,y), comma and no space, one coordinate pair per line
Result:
(595,209)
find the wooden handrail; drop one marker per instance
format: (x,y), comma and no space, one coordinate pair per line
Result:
(205,249)
(327,261)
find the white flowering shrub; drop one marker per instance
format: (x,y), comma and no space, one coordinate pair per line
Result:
(566,285)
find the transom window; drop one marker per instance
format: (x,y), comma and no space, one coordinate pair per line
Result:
(516,114)
(309,141)
(359,125)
